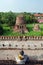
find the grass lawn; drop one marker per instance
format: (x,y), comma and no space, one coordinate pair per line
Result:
(8,31)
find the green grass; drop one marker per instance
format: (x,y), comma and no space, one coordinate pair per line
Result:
(33,33)
(8,31)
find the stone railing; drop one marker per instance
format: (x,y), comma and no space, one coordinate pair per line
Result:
(21,38)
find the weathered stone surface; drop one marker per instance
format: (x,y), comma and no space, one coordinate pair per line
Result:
(32,44)
(10,54)
(33,47)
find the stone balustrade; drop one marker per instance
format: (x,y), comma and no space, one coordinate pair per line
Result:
(20,38)
(25,42)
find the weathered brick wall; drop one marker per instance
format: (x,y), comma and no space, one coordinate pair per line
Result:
(10,47)
(11,62)
(24,42)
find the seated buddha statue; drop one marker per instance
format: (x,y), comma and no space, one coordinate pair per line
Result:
(21,58)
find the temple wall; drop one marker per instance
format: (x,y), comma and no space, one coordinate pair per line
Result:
(30,44)
(9,48)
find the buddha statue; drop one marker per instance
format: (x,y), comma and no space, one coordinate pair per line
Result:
(21,58)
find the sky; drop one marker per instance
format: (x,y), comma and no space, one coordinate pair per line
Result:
(21,6)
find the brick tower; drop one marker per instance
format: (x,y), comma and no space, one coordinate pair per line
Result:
(20,25)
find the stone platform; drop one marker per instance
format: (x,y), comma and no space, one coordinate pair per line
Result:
(10,47)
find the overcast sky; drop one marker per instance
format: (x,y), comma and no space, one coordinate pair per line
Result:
(21,5)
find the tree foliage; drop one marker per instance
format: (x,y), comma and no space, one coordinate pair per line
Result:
(10,18)
(1,30)
(7,18)
(29,18)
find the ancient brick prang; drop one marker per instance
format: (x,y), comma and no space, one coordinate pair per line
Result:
(20,25)
(36,27)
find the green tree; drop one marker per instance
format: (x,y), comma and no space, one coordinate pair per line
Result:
(11,19)
(1,30)
(29,18)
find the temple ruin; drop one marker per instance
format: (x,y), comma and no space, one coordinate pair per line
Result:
(36,27)
(20,25)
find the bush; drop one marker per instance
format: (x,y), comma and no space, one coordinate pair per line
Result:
(1,30)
